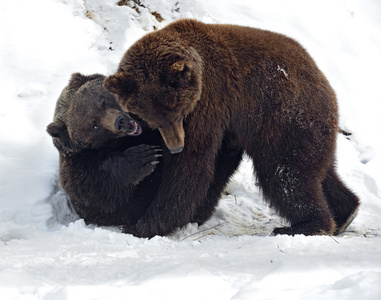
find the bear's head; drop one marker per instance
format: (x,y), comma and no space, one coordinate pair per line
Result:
(159,80)
(88,117)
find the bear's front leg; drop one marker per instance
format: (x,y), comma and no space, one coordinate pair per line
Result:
(185,183)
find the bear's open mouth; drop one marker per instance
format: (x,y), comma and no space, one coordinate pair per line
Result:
(130,127)
(133,128)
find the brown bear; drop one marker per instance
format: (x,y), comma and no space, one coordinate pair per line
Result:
(105,160)
(258,91)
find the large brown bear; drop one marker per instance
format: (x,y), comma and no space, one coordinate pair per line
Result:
(261,93)
(105,160)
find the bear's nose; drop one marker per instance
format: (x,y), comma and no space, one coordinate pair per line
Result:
(178,150)
(120,123)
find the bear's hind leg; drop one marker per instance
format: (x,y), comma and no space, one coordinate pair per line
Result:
(300,200)
(342,202)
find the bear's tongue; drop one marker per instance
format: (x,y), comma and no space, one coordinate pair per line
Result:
(133,128)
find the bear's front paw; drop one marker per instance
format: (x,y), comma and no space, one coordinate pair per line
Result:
(133,229)
(142,159)
(141,230)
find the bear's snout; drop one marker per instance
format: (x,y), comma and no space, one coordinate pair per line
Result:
(120,123)
(129,126)
(174,136)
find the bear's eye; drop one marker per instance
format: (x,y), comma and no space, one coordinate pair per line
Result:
(172,83)
(95,126)
(104,103)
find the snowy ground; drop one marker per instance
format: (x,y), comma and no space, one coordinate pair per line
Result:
(43,255)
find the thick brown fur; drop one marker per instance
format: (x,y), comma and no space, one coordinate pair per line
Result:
(105,165)
(257,91)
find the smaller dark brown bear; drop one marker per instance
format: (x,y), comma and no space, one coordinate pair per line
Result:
(103,154)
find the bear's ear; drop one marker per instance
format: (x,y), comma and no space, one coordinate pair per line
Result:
(184,68)
(77,80)
(61,139)
(181,70)
(120,84)
(56,129)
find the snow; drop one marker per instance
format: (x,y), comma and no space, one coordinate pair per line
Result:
(47,253)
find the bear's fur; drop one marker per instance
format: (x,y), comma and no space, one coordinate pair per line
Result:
(261,93)
(103,154)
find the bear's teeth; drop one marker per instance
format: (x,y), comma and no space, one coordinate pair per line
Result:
(136,126)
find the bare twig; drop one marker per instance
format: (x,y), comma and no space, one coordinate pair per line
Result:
(280,249)
(209,233)
(198,232)
(343,132)
(327,234)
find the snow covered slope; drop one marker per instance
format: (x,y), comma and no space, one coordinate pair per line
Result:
(47,253)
